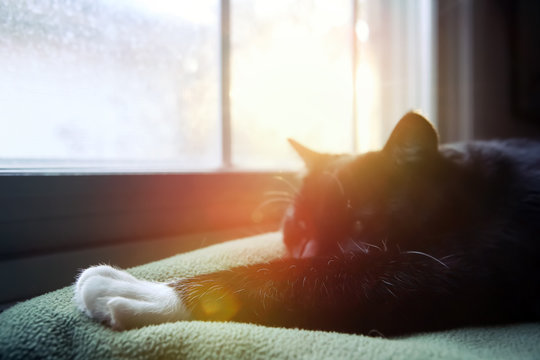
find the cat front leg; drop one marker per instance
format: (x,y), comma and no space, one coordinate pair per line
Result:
(122,301)
(391,293)
(309,293)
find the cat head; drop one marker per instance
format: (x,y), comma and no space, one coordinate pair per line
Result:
(353,203)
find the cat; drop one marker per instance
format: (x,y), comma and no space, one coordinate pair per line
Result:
(415,237)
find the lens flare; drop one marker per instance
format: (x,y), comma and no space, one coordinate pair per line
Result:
(215,303)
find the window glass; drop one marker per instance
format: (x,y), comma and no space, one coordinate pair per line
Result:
(138,82)
(110,80)
(291,69)
(395,66)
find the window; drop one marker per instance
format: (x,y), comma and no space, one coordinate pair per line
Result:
(123,80)
(126,124)
(195,85)
(293,74)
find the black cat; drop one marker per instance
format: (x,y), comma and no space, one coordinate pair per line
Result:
(414,237)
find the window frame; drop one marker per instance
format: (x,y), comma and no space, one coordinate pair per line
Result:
(50,212)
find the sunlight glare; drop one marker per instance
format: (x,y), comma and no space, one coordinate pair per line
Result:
(367,87)
(292,79)
(362,31)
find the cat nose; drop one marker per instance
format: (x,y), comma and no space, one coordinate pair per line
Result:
(305,250)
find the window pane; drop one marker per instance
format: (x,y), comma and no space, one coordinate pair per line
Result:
(110,80)
(290,77)
(395,66)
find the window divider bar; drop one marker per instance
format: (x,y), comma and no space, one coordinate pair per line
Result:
(225,71)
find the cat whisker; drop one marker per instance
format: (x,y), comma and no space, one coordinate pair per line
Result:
(257,212)
(274,200)
(365,250)
(375,332)
(391,292)
(325,288)
(383,241)
(285,194)
(288,183)
(371,245)
(426,255)
(336,179)
(450,256)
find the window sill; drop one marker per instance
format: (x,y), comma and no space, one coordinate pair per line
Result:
(43,213)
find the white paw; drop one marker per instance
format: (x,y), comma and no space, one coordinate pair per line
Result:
(120,300)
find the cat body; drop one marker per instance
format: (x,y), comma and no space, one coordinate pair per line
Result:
(415,237)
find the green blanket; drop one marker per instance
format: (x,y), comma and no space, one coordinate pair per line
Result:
(49,326)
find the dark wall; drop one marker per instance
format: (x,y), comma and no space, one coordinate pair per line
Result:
(506,41)
(488,69)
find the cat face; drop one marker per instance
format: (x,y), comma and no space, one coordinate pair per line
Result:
(357,203)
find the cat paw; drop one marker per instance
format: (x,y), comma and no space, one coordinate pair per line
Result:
(122,301)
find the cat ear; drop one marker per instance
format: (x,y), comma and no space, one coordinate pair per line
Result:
(412,139)
(310,157)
